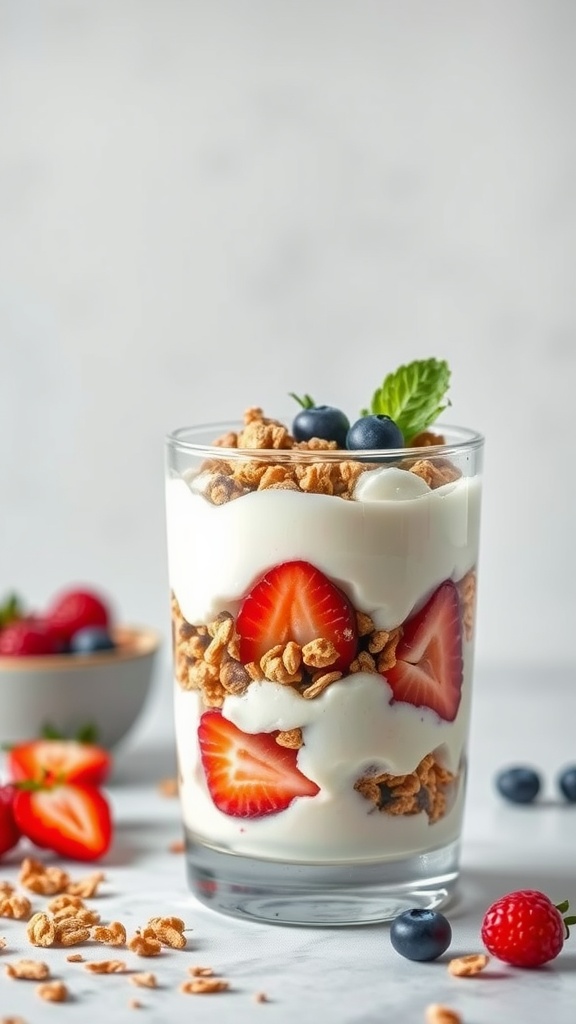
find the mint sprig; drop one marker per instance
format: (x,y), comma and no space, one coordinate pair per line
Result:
(413,396)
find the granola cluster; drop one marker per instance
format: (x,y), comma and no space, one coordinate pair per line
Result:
(427,789)
(207,658)
(226,479)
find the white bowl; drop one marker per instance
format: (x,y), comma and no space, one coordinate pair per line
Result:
(108,690)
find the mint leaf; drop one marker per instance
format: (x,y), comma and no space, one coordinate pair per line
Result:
(413,396)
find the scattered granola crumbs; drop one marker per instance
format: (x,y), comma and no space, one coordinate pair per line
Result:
(17,907)
(145,945)
(70,932)
(168,787)
(201,972)
(105,966)
(6,888)
(169,931)
(63,901)
(80,915)
(41,930)
(204,986)
(261,997)
(86,887)
(135,1004)
(113,934)
(468,966)
(31,970)
(42,879)
(437,1013)
(53,992)
(75,958)
(144,979)
(177,846)
(3,942)
(12,1020)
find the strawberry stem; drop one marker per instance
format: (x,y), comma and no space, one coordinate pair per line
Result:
(306,401)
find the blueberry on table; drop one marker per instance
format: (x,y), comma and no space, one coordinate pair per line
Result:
(375,431)
(323,421)
(420,934)
(91,639)
(567,783)
(519,785)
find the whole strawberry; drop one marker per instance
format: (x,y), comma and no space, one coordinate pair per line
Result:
(74,610)
(525,929)
(24,638)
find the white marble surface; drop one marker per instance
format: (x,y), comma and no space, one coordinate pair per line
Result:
(351,975)
(207,205)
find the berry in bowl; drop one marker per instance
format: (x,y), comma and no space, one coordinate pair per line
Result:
(72,669)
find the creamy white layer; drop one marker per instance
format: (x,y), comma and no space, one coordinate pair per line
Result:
(387,555)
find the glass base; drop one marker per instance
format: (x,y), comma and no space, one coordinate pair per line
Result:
(320,894)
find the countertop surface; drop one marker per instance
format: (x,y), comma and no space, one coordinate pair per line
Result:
(343,975)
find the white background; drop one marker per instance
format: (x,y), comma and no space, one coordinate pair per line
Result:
(205,206)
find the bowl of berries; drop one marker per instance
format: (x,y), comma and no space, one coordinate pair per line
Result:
(71,670)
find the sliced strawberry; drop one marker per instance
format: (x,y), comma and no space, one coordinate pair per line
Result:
(59,761)
(72,819)
(295,601)
(248,774)
(428,670)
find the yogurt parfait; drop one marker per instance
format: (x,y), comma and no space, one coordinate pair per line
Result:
(323,584)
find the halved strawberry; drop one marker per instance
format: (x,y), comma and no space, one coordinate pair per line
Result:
(248,774)
(428,670)
(295,601)
(59,760)
(72,819)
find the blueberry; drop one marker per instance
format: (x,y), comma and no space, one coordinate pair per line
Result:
(520,785)
(374,432)
(324,421)
(567,783)
(420,934)
(90,639)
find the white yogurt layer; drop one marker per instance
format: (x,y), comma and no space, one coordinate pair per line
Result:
(388,550)
(387,555)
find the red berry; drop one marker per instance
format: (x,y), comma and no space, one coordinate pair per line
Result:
(9,831)
(25,637)
(73,610)
(524,928)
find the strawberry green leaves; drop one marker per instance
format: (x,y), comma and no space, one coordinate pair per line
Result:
(413,396)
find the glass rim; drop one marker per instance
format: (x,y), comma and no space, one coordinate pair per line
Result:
(464,439)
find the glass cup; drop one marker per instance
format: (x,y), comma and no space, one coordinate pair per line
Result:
(323,607)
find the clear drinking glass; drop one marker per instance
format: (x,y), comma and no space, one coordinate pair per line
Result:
(323,607)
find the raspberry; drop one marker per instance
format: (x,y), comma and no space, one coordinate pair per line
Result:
(74,610)
(525,929)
